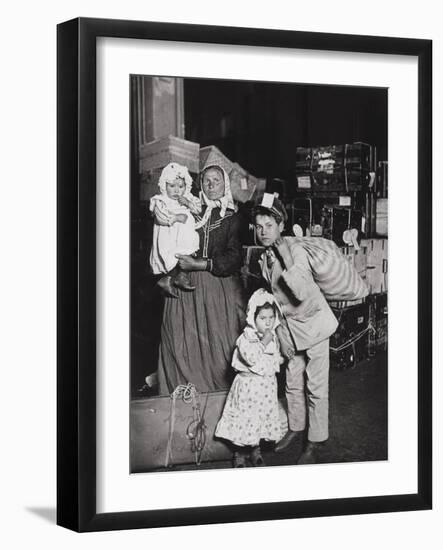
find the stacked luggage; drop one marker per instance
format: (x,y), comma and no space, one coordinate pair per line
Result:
(335,168)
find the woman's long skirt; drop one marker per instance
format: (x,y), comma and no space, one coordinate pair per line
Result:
(198,334)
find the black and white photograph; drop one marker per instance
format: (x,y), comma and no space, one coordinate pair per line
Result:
(258,274)
(220,276)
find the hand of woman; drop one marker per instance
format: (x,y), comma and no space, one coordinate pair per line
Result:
(188,263)
(282,247)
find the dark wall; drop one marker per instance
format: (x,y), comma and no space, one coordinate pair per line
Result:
(259,124)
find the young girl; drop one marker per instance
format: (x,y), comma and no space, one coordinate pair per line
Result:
(251,408)
(174,229)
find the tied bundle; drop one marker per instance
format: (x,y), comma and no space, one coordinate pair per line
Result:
(335,275)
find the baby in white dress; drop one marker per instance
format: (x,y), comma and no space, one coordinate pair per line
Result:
(174,228)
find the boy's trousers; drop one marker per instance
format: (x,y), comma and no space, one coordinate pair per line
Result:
(315,363)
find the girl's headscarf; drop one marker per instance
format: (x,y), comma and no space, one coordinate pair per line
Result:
(258,299)
(170,173)
(224,203)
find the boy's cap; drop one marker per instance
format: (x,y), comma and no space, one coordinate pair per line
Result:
(270,204)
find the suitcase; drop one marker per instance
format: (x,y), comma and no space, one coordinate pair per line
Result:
(349,344)
(381,218)
(335,168)
(360,155)
(304,182)
(160,152)
(382,179)
(381,321)
(328,182)
(369,210)
(329,158)
(346,303)
(153,444)
(378,304)
(377,264)
(335,220)
(319,159)
(343,180)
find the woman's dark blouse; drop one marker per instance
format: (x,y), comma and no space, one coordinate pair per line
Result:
(220,241)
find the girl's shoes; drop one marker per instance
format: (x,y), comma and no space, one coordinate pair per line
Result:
(239,460)
(256,458)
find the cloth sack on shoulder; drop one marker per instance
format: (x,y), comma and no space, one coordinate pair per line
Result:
(335,275)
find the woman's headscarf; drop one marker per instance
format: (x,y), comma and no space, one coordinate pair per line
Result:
(258,299)
(170,173)
(224,203)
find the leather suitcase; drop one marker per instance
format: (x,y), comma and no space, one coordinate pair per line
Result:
(342,180)
(379,319)
(369,209)
(359,155)
(319,159)
(329,158)
(163,434)
(381,218)
(335,220)
(382,179)
(349,344)
(160,152)
(335,168)
(377,264)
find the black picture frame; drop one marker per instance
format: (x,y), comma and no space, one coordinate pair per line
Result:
(76,265)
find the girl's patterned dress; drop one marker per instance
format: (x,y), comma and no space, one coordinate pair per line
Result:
(251,408)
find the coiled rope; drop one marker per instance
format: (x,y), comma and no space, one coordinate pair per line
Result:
(196,430)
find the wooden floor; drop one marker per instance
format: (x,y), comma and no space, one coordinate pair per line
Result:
(358,420)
